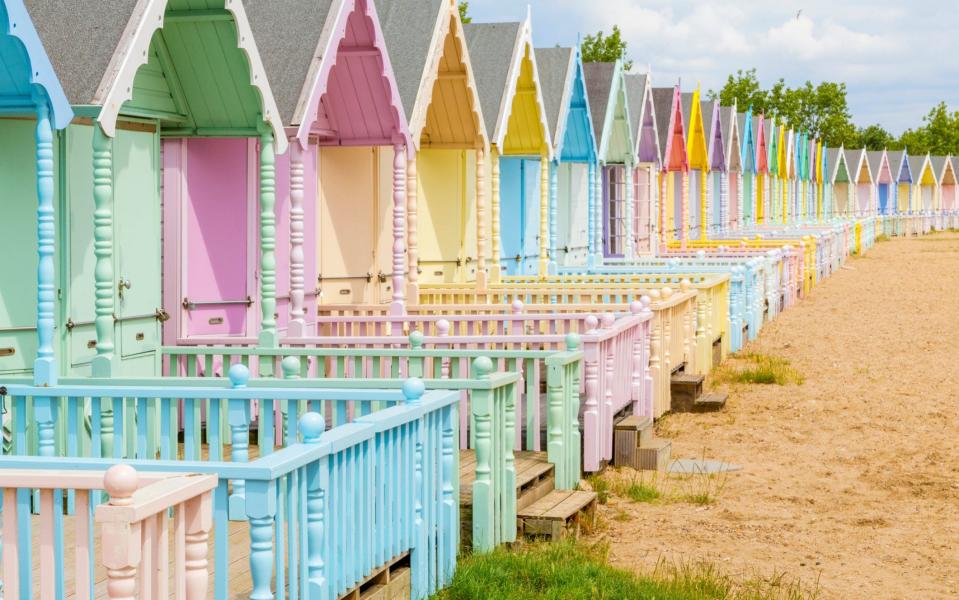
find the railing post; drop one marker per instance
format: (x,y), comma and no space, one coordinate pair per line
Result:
(638,368)
(102,364)
(443,329)
(312,426)
(198,513)
(238,416)
(412,239)
(450,518)
(260,508)
(591,356)
(605,421)
(297,325)
(267,193)
(398,306)
(45,365)
(121,539)
(413,390)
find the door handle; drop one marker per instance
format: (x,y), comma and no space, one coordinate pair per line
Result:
(123,284)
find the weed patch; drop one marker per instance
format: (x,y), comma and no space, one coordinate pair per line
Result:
(757,368)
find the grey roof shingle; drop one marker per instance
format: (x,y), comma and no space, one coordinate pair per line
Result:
(408,27)
(915,166)
(852,162)
(287,33)
(686,105)
(491,47)
(895,162)
(833,155)
(553,65)
(599,85)
(80,39)
(875,161)
(635,90)
(726,117)
(663,105)
(938,163)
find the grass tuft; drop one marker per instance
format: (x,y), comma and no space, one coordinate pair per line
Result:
(756,368)
(575,570)
(882,237)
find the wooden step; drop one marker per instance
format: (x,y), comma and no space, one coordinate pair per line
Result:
(685,389)
(629,435)
(392,581)
(711,402)
(534,476)
(654,456)
(557,514)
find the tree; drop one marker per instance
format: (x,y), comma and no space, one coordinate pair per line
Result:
(606,48)
(874,137)
(744,89)
(464,12)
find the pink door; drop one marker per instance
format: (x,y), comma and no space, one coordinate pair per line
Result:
(212,183)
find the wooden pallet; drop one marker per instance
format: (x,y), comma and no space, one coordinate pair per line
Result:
(557,514)
(392,581)
(533,473)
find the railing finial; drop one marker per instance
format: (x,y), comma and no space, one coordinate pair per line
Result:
(572,341)
(518,306)
(684,285)
(591,323)
(443,327)
(608,320)
(666,292)
(238,375)
(416,340)
(121,481)
(290,366)
(413,390)
(482,367)
(312,425)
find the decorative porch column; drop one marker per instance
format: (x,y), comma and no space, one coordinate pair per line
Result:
(268,337)
(398,306)
(412,239)
(297,324)
(739,199)
(553,217)
(705,189)
(597,215)
(545,187)
(629,174)
(45,366)
(481,241)
(591,214)
(665,185)
(495,266)
(102,364)
(683,212)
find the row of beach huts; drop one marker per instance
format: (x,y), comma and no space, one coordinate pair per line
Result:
(306,298)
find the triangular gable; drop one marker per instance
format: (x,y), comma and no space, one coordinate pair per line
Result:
(730,120)
(839,170)
(789,154)
(607,97)
(762,144)
(856,161)
(28,65)
(820,162)
(922,172)
(715,143)
(508,83)
(772,144)
(434,73)
(879,165)
(943,169)
(642,113)
(696,149)
(567,104)
(341,88)
(899,165)
(747,141)
(782,147)
(225,87)
(672,134)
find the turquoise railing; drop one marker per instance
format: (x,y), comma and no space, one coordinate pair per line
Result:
(327,510)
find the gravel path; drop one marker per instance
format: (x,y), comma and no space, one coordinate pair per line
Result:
(851,479)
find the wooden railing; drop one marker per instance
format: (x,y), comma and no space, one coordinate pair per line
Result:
(134,529)
(384,486)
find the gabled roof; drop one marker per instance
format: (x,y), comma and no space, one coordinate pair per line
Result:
(98,48)
(747,140)
(497,51)
(642,115)
(857,158)
(939,164)
(328,83)
(567,104)
(694,120)
(671,127)
(663,105)
(27,64)
(715,141)
(610,109)
(834,158)
(877,160)
(899,165)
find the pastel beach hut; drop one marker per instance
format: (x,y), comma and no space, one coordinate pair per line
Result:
(674,180)
(731,201)
(945,169)
(648,161)
(448,215)
(771,192)
(861,177)
(901,189)
(748,185)
(33,106)
(783,158)
(341,190)
(885,184)
(574,167)
(507,82)
(138,81)
(697,152)
(763,130)
(716,181)
(613,234)
(839,179)
(924,187)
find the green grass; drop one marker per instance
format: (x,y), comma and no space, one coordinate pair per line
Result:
(574,570)
(882,237)
(755,368)
(640,491)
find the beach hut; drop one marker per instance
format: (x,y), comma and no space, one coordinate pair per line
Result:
(789,175)
(879,165)
(507,81)
(718,167)
(924,184)
(446,203)
(945,170)
(840,183)
(783,157)
(609,106)
(861,178)
(748,158)
(730,197)
(573,168)
(139,80)
(642,115)
(766,165)
(697,151)
(901,178)
(33,106)
(674,180)
(822,183)
(341,190)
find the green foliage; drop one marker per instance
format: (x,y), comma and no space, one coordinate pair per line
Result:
(606,48)
(758,368)
(874,137)
(464,12)
(573,570)
(939,133)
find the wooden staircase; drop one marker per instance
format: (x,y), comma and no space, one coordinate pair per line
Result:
(686,392)
(635,445)
(541,509)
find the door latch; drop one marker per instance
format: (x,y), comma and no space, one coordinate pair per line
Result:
(123,284)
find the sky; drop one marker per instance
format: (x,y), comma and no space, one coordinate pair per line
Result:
(898,58)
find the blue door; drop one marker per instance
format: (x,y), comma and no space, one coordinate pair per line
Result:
(883,197)
(519,215)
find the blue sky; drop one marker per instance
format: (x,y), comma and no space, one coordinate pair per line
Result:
(897,60)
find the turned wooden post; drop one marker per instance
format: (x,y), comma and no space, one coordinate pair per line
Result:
(268,337)
(312,426)
(553,216)
(102,364)
(198,518)
(544,199)
(591,213)
(260,509)
(599,198)
(683,227)
(297,324)
(495,267)
(591,357)
(398,306)
(412,232)
(121,556)
(45,365)
(238,417)
(629,211)
(482,242)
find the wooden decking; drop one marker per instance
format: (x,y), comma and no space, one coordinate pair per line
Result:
(533,471)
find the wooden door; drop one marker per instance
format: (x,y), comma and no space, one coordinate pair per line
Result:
(217,237)
(136,168)
(18,232)
(441,208)
(531,216)
(346,222)
(512,215)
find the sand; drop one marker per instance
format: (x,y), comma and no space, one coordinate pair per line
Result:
(850,481)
